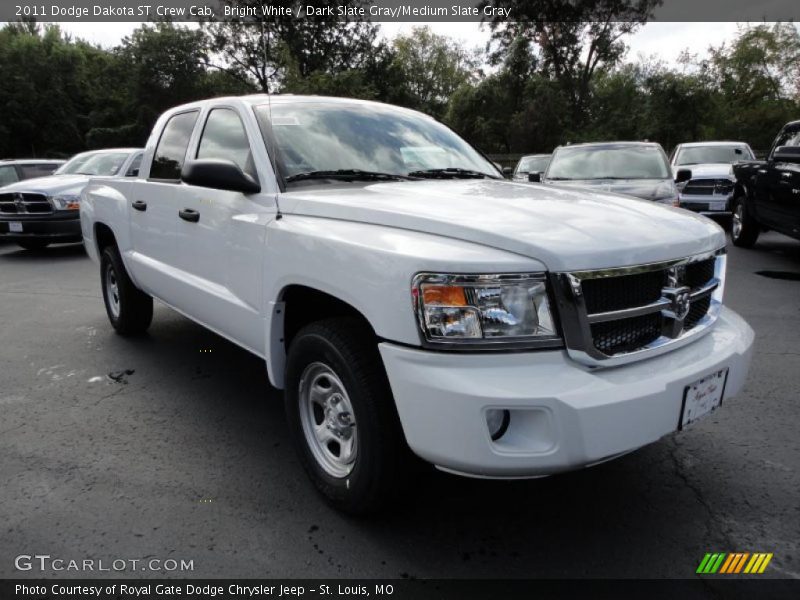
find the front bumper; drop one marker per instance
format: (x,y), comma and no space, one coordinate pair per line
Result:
(564,415)
(56,227)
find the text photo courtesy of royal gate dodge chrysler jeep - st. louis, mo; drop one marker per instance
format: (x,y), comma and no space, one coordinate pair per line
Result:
(361,299)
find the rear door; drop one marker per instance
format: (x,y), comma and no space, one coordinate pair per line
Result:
(221,244)
(773,182)
(785,196)
(153,210)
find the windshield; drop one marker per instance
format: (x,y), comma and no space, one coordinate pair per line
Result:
(696,155)
(533,164)
(609,162)
(94,163)
(328,137)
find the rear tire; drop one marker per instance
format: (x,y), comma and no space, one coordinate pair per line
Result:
(744,228)
(342,416)
(33,244)
(129,309)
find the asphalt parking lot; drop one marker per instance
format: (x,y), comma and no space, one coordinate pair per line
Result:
(182,453)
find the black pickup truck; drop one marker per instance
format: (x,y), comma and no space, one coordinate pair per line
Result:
(767,193)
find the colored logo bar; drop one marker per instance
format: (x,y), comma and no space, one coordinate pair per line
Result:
(734,562)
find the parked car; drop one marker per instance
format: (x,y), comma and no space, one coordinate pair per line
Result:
(767,193)
(709,191)
(14,170)
(637,169)
(41,211)
(404,295)
(532,163)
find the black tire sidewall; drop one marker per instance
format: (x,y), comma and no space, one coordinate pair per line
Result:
(355,490)
(110,259)
(749,228)
(135,307)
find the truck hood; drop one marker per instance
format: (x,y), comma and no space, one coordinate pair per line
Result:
(708,170)
(646,189)
(50,185)
(566,229)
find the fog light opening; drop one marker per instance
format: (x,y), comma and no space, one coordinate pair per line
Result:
(497,420)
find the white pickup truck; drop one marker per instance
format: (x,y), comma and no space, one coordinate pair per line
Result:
(404,296)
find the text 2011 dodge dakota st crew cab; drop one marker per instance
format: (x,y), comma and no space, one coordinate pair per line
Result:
(406,297)
(767,194)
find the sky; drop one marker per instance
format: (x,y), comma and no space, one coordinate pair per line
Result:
(664,40)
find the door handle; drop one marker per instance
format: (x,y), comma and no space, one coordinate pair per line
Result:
(139,205)
(187,214)
(785,174)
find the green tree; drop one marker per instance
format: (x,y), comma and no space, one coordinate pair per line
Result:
(267,50)
(758,78)
(432,67)
(574,39)
(47,94)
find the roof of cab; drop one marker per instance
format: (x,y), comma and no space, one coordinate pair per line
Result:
(33,161)
(259,99)
(609,144)
(718,143)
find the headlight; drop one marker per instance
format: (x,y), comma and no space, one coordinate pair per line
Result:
(67,202)
(484,311)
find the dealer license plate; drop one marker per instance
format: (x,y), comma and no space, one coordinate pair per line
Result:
(702,397)
(15,227)
(717,205)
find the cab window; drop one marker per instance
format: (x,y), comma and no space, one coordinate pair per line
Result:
(170,153)
(8,174)
(133,169)
(224,138)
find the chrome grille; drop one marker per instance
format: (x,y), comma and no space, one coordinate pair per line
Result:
(612,316)
(708,187)
(24,203)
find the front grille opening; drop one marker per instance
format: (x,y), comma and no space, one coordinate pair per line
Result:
(31,203)
(698,310)
(626,335)
(699,273)
(626,291)
(708,187)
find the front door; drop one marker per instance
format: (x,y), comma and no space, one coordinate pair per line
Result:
(221,238)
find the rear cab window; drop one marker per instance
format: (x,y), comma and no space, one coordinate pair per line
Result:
(170,153)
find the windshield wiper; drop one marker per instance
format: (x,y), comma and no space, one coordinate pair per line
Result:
(450,173)
(348,175)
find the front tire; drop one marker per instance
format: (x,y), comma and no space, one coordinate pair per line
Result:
(129,309)
(744,228)
(342,415)
(33,244)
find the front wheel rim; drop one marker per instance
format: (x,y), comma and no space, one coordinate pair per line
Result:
(328,420)
(112,291)
(738,215)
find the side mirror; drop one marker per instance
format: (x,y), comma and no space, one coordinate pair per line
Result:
(507,171)
(220,175)
(535,177)
(683,175)
(787,154)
